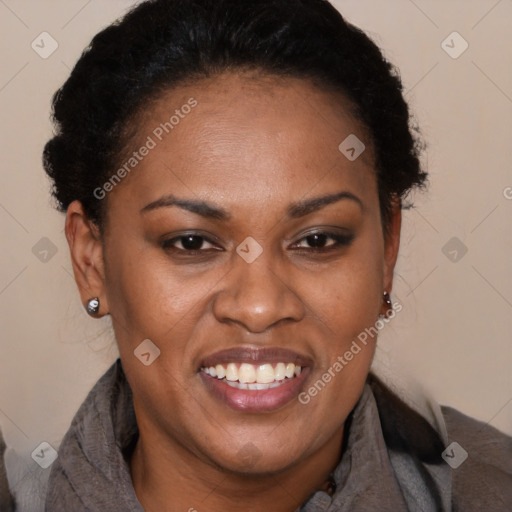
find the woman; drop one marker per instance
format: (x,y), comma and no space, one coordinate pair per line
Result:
(233,174)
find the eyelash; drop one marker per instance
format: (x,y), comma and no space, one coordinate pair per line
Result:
(339,239)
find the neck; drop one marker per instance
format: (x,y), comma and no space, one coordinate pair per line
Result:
(165,473)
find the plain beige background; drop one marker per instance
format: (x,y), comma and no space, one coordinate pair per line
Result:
(454,332)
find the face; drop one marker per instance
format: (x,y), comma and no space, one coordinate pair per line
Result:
(243,243)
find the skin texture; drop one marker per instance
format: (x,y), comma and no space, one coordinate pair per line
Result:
(252,146)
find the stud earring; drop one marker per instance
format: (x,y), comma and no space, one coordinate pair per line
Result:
(93,306)
(387,301)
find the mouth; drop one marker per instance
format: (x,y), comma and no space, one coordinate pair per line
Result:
(254,377)
(255,380)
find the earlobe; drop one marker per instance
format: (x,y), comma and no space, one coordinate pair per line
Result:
(86,251)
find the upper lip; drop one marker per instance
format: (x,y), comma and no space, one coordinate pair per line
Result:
(256,356)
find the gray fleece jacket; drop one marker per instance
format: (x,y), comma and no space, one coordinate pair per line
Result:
(394,459)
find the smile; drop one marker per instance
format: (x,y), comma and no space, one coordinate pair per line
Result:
(253,377)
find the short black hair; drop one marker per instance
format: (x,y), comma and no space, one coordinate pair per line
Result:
(161,44)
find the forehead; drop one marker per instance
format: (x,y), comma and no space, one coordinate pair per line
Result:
(241,136)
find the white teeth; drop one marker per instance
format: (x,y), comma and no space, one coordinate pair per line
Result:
(265,374)
(221,372)
(280,371)
(249,376)
(238,385)
(252,387)
(258,386)
(246,373)
(232,372)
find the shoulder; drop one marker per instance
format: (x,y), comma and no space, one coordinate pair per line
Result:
(90,469)
(481,461)
(477,455)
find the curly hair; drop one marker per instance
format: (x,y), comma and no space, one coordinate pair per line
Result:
(161,44)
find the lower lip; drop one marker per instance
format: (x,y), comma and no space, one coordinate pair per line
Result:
(265,400)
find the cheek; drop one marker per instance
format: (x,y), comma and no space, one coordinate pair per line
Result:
(151,299)
(347,297)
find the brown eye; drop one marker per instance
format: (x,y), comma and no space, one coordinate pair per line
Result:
(317,240)
(323,241)
(188,243)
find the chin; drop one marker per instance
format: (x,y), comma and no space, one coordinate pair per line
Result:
(251,461)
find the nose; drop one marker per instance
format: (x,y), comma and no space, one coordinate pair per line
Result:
(257,297)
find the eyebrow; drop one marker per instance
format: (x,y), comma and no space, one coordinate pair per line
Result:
(302,208)
(202,208)
(208,210)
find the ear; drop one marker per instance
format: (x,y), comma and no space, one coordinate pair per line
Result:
(392,243)
(86,250)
